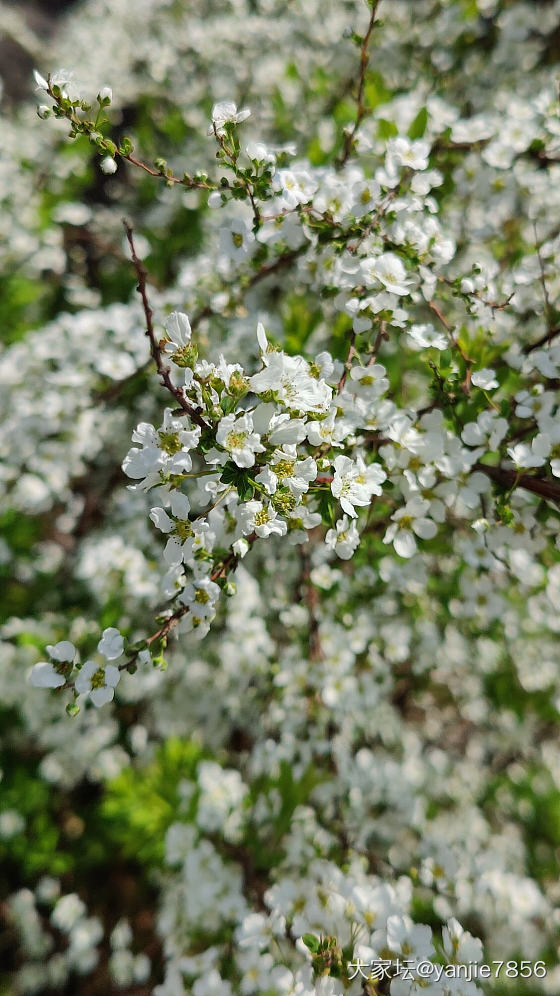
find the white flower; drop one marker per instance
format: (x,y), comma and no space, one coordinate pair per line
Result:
(61,78)
(40,81)
(62,651)
(407,521)
(98,681)
(485,379)
(166,449)
(68,911)
(45,674)
(225,112)
(387,269)
(121,935)
(111,644)
(105,94)
(369,382)
(460,946)
(240,547)
(344,538)
(354,483)
(294,474)
(236,240)
(237,437)
(407,938)
(427,336)
(290,380)
(255,517)
(202,595)
(364,195)
(488,431)
(108,165)
(178,328)
(295,186)
(405,152)
(525,456)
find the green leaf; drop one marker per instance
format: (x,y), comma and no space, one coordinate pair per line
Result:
(311,942)
(240,479)
(418,126)
(386,129)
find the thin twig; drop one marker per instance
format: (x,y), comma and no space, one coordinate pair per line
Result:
(547,307)
(113,390)
(163,370)
(364,60)
(307,593)
(348,363)
(544,339)
(512,479)
(169,177)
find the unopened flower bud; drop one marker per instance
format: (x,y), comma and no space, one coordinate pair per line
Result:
(108,165)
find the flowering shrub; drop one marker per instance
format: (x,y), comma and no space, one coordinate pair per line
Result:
(281,679)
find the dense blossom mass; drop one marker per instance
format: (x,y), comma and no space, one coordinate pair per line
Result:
(280,480)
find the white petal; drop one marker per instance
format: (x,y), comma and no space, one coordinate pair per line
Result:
(40,81)
(348,508)
(100,696)
(180,505)
(62,651)
(111,644)
(261,338)
(82,683)
(425,528)
(44,675)
(405,544)
(178,328)
(161,519)
(173,552)
(112,675)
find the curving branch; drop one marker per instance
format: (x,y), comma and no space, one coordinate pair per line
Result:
(163,370)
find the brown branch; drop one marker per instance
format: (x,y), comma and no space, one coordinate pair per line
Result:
(364,60)
(163,370)
(506,478)
(169,177)
(348,362)
(306,592)
(437,311)
(543,341)
(221,570)
(453,342)
(511,479)
(113,390)
(547,307)
(381,335)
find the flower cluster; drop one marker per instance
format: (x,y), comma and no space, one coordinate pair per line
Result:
(342,496)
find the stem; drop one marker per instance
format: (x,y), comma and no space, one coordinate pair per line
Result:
(511,479)
(163,371)
(360,112)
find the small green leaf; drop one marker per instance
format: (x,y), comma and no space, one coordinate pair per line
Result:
(311,942)
(418,126)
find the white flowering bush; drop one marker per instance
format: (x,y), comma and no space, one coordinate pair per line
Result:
(280,475)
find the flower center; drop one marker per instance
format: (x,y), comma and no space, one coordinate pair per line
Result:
(169,442)
(98,678)
(284,468)
(235,440)
(183,530)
